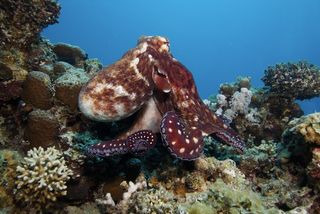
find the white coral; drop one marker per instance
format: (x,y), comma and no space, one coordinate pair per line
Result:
(133,187)
(42,176)
(239,103)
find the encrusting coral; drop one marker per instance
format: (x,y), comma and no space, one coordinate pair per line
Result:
(8,162)
(42,177)
(308,126)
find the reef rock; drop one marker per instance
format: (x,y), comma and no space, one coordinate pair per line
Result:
(68,86)
(37,90)
(10,90)
(71,54)
(42,128)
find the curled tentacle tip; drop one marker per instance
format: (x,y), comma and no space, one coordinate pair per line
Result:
(141,141)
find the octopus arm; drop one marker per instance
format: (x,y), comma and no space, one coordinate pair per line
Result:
(137,143)
(183,142)
(223,131)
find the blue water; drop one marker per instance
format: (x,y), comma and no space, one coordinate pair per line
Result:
(217,40)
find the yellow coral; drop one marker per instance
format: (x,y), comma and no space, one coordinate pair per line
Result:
(308,126)
(42,177)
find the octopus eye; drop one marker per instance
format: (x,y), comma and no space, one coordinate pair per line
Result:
(159,72)
(161,80)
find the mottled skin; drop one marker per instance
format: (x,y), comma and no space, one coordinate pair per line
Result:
(148,78)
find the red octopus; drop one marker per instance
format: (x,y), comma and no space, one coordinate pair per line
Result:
(150,80)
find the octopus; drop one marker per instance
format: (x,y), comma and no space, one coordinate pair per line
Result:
(150,82)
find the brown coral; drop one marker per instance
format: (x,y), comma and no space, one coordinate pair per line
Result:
(22,21)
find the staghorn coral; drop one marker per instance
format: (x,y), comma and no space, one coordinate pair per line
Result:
(42,177)
(299,80)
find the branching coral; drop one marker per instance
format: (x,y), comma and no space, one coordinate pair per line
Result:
(42,177)
(298,80)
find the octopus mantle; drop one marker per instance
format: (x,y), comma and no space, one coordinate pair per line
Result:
(150,81)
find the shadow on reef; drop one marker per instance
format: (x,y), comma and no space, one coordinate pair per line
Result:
(44,137)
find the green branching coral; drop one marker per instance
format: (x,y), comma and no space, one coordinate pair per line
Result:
(42,177)
(299,80)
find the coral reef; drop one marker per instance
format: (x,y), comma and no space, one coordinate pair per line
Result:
(313,169)
(22,21)
(302,136)
(299,80)
(225,190)
(10,90)
(278,172)
(256,114)
(42,177)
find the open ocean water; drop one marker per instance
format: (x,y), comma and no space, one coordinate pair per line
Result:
(216,40)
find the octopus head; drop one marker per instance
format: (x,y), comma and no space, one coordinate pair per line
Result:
(159,43)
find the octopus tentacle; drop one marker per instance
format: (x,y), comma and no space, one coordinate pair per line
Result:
(141,141)
(183,142)
(231,138)
(222,130)
(137,143)
(108,148)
